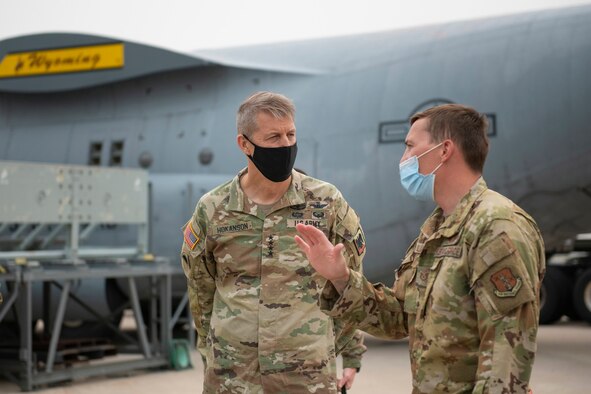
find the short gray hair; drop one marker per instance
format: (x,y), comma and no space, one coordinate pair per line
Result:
(274,104)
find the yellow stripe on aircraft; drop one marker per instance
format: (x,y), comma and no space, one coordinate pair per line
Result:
(64,60)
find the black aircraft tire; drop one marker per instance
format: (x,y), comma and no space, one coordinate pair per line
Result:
(582,296)
(554,295)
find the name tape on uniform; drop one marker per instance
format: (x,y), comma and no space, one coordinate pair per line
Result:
(233,228)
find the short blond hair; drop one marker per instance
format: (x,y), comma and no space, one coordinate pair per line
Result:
(274,104)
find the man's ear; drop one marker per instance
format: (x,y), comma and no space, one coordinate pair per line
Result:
(448,150)
(243,145)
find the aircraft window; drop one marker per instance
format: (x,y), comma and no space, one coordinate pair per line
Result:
(393,131)
(116,159)
(96,151)
(492,124)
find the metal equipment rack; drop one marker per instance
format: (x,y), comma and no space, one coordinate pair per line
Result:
(44,205)
(154,348)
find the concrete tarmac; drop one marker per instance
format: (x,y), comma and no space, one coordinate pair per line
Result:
(563,365)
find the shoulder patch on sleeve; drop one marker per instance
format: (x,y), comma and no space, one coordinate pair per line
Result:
(359,241)
(190,235)
(505,283)
(348,226)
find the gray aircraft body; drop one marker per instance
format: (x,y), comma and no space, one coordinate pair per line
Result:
(174,115)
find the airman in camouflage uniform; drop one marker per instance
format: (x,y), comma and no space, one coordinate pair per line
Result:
(466,293)
(254,296)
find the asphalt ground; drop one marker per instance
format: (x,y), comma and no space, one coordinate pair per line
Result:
(563,365)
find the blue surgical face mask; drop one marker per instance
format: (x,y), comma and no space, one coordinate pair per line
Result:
(419,186)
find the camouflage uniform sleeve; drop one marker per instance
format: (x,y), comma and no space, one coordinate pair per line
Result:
(505,277)
(199,269)
(349,341)
(374,309)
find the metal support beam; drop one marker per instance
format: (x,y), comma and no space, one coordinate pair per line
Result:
(47,309)
(139,320)
(31,237)
(153,310)
(25,316)
(165,311)
(57,326)
(6,305)
(20,229)
(179,309)
(102,319)
(99,370)
(51,236)
(61,254)
(73,244)
(87,231)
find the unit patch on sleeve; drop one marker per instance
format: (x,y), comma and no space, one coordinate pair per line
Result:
(191,237)
(359,242)
(506,284)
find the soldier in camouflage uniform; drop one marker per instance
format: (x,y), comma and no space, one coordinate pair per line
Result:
(253,295)
(467,291)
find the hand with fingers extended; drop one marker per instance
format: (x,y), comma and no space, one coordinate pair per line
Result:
(326,258)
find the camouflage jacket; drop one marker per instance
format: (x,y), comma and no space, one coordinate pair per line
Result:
(254,296)
(466,295)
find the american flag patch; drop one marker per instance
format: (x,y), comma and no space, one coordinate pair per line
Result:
(191,237)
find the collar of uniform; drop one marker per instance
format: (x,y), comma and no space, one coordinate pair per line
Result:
(452,223)
(293,196)
(236,202)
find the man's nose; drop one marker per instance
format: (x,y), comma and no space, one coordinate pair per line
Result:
(404,157)
(285,141)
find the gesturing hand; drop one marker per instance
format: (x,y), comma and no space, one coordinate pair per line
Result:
(325,257)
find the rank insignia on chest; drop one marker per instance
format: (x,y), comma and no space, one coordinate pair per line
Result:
(359,242)
(506,284)
(190,235)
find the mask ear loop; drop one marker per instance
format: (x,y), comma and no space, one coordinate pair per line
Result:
(435,147)
(436,168)
(424,153)
(252,143)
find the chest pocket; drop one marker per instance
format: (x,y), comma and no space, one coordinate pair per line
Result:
(405,288)
(430,275)
(432,286)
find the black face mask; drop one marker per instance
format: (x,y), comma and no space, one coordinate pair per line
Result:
(274,163)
